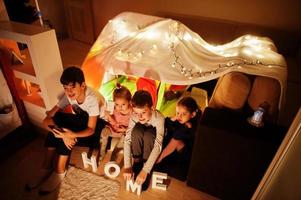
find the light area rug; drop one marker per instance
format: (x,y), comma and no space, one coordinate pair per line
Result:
(83,185)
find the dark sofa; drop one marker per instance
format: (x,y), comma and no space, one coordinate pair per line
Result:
(230,156)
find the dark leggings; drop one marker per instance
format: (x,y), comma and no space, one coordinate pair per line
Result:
(143,138)
(74,122)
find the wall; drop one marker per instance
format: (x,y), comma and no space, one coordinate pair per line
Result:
(53,10)
(278,14)
(105,10)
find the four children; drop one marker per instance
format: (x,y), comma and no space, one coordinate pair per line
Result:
(134,117)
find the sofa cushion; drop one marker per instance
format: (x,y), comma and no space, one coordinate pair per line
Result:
(231,91)
(265,89)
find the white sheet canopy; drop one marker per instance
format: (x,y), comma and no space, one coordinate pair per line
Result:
(168,51)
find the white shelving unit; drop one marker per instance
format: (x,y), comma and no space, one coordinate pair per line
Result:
(42,67)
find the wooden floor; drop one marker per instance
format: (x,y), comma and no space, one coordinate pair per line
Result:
(18,168)
(177,190)
(74,52)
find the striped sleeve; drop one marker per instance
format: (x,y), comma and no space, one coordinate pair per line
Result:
(127,145)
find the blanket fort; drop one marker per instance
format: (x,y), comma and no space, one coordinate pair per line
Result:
(168,51)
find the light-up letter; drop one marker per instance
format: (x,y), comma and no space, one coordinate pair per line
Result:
(157,180)
(88,161)
(112,174)
(130,184)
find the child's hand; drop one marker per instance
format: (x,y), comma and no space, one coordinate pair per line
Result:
(188,124)
(159,160)
(57,133)
(68,133)
(141,177)
(127,174)
(65,133)
(114,128)
(113,122)
(110,118)
(69,143)
(120,129)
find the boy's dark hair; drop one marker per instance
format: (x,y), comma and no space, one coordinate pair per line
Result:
(189,103)
(142,98)
(122,92)
(72,75)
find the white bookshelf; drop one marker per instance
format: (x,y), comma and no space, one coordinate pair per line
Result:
(42,67)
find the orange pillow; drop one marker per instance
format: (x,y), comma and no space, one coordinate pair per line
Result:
(148,85)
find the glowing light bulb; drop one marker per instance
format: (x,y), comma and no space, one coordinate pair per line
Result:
(152,34)
(248,52)
(259,56)
(187,36)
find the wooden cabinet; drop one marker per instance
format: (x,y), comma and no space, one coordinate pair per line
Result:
(37,79)
(80,20)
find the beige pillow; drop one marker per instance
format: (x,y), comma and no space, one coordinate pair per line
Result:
(265,89)
(231,91)
(200,96)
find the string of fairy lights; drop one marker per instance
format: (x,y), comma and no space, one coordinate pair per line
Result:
(188,72)
(177,63)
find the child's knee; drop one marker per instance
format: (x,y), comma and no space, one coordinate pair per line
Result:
(149,134)
(138,129)
(137,133)
(148,137)
(105,132)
